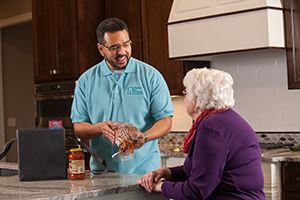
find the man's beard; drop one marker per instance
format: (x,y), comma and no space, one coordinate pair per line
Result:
(114,64)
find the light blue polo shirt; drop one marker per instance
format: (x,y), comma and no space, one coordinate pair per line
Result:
(140,96)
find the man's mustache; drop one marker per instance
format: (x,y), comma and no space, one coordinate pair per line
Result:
(120,56)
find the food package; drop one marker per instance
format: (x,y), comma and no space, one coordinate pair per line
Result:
(128,138)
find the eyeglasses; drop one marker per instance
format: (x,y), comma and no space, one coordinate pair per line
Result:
(184,92)
(117,47)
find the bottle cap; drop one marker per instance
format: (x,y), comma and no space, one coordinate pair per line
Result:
(75,149)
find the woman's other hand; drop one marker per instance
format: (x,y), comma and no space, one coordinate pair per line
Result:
(152,180)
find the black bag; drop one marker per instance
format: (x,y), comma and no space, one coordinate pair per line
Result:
(41,154)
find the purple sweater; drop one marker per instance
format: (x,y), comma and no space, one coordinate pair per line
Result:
(224,162)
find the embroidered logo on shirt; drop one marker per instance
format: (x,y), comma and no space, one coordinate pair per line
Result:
(134,91)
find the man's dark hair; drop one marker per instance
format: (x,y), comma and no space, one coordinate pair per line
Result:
(110,25)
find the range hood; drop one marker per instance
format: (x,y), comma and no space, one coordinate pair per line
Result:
(208,27)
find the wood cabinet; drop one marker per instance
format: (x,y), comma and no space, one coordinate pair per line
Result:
(290,180)
(65,37)
(147,24)
(292,36)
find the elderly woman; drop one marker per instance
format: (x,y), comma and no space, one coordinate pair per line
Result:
(224,160)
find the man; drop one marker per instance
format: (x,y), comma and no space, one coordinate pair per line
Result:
(121,89)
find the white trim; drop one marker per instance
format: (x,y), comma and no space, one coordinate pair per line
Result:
(15,20)
(2,129)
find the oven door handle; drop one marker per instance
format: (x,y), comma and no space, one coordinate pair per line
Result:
(53,97)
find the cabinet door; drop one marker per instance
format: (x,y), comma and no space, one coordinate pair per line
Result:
(44,32)
(291,196)
(66,41)
(130,12)
(55,40)
(290,180)
(89,15)
(292,34)
(155,18)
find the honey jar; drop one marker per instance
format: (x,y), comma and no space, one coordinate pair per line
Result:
(76,164)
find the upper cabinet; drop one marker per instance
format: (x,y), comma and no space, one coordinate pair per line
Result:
(292,35)
(147,24)
(64,37)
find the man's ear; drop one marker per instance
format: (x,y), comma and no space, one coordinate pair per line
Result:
(100,49)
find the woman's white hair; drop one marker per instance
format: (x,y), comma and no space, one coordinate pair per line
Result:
(209,88)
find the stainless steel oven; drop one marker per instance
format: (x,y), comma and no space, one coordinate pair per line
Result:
(53,102)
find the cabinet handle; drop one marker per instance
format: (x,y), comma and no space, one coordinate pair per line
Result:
(297,178)
(53,71)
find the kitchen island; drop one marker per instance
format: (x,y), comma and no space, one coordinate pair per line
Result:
(103,186)
(275,185)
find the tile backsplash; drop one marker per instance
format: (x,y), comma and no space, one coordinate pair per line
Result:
(285,138)
(174,140)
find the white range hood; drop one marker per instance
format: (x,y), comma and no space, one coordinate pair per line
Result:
(198,28)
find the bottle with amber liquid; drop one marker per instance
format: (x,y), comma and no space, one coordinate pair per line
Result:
(76,164)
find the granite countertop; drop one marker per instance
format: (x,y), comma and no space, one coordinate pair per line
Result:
(95,186)
(280,155)
(9,165)
(167,154)
(90,187)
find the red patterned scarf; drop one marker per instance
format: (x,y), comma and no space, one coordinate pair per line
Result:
(190,136)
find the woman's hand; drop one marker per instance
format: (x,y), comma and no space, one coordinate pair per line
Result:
(157,186)
(152,180)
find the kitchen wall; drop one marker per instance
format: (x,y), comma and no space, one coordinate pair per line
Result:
(18,81)
(13,8)
(261,91)
(16,70)
(181,120)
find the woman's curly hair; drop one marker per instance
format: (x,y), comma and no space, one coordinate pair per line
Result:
(209,88)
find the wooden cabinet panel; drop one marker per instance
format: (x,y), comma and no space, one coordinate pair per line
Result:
(292,36)
(291,196)
(90,13)
(290,180)
(66,41)
(130,12)
(44,50)
(155,19)
(65,37)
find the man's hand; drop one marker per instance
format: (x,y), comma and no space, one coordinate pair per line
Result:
(105,128)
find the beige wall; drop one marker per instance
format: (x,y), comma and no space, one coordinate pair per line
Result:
(17,68)
(181,120)
(11,8)
(260,89)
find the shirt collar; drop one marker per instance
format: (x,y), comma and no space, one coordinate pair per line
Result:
(130,68)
